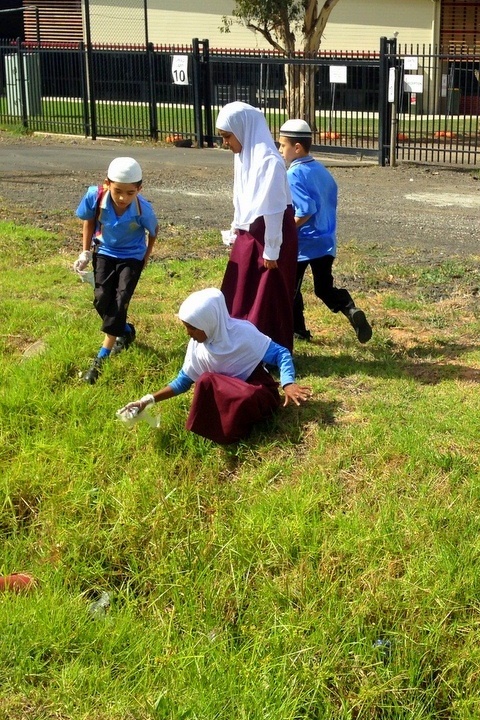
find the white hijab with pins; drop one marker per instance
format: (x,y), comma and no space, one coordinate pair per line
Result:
(260,177)
(233,347)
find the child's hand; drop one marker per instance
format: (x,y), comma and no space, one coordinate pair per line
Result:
(270,264)
(296,393)
(139,405)
(82,261)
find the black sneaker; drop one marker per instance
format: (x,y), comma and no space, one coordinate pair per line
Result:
(307,335)
(124,341)
(360,324)
(91,376)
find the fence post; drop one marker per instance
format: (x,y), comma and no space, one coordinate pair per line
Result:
(387,48)
(90,82)
(83,66)
(197,102)
(21,82)
(207,94)
(152,98)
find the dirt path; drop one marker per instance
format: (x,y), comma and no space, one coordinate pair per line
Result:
(432,209)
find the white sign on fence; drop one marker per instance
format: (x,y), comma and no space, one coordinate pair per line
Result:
(410,62)
(444,85)
(180,69)
(413,83)
(391,84)
(338,74)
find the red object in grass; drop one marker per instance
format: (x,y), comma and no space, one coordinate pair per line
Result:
(17,582)
(329,135)
(401,137)
(179,141)
(444,134)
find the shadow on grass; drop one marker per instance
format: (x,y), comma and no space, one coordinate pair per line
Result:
(286,427)
(441,366)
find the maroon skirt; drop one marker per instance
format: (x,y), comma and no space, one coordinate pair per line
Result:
(265,297)
(224,409)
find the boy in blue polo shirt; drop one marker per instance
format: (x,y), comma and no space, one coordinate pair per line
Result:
(116,220)
(314,195)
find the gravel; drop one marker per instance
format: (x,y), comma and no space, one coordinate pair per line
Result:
(432,209)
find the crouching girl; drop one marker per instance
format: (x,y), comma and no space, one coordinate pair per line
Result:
(226,360)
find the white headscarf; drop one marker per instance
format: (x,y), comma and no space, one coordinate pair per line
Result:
(233,347)
(260,176)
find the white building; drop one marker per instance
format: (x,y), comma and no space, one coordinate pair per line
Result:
(353,24)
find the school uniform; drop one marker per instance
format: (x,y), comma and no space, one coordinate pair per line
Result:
(314,193)
(264,226)
(233,390)
(120,247)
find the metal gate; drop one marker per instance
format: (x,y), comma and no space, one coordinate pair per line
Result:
(341,102)
(433,106)
(409,103)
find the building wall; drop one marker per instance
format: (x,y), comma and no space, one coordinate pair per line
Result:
(353,24)
(59,21)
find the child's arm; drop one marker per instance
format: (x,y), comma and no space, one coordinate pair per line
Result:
(87,234)
(273,239)
(181,384)
(299,221)
(151,243)
(85,256)
(282,358)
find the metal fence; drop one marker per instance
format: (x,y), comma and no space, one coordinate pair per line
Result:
(437,106)
(406,103)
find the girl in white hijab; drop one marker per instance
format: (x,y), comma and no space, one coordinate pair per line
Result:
(225,359)
(259,281)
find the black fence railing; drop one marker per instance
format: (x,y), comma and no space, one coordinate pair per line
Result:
(412,103)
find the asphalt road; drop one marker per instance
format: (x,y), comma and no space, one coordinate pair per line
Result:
(429,207)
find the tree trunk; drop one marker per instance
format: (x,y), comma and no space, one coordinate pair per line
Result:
(300,92)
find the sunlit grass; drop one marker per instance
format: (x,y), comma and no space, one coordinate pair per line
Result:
(253,581)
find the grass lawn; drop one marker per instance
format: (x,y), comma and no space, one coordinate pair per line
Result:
(327,568)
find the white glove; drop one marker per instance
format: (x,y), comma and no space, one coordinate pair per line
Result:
(134,408)
(134,411)
(82,261)
(228,236)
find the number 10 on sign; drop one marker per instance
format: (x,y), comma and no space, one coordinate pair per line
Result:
(180,69)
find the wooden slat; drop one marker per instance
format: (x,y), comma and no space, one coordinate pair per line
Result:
(59,20)
(460,24)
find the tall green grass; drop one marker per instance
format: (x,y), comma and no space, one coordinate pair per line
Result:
(325,568)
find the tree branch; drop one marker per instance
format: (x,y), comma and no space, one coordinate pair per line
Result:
(268,36)
(313,42)
(310,15)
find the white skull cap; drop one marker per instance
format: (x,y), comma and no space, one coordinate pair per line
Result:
(295,128)
(124,170)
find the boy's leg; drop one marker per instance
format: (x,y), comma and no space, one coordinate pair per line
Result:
(338,299)
(105,294)
(91,376)
(299,329)
(115,283)
(127,274)
(105,289)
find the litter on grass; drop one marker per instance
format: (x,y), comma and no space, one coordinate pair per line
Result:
(86,276)
(131,416)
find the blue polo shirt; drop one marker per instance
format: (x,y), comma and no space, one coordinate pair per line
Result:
(119,237)
(314,192)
